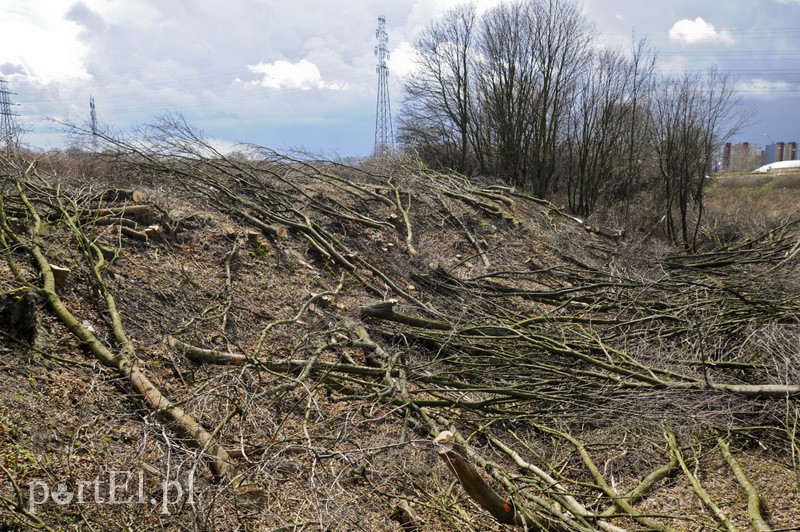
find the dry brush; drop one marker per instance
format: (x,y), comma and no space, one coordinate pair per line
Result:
(570,383)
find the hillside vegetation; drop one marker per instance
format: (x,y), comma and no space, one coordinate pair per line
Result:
(258,342)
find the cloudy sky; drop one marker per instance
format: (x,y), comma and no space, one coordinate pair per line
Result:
(301,74)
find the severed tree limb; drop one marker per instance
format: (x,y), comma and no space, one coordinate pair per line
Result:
(406,220)
(454,455)
(492,210)
(385,310)
(543,515)
(145,211)
(753,497)
(760,391)
(391,284)
(184,424)
(640,375)
(133,233)
(641,490)
(209,356)
(201,355)
(403,516)
(122,361)
(698,488)
(228,286)
(621,502)
(470,237)
(18,505)
(375,355)
(559,493)
(315,298)
(110,220)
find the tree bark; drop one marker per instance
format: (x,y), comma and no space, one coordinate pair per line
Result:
(454,455)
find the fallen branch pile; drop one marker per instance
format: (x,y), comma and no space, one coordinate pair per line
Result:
(566,389)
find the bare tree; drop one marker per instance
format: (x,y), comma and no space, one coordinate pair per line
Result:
(597,132)
(692,116)
(491,93)
(604,147)
(563,42)
(438,97)
(507,88)
(532,55)
(642,77)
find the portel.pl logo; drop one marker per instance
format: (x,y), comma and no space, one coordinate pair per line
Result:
(119,487)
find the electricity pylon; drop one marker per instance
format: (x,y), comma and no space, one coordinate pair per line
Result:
(8,125)
(93,115)
(384,137)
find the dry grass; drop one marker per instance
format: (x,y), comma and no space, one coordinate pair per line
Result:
(775,195)
(739,207)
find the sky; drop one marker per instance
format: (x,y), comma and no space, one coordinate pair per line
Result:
(301,75)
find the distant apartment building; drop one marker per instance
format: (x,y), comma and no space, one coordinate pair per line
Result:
(745,157)
(780,151)
(741,157)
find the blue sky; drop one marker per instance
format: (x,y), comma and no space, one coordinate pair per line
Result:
(301,74)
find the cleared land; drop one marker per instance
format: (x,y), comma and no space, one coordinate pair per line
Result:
(288,338)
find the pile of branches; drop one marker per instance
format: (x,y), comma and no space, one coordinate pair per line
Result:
(531,378)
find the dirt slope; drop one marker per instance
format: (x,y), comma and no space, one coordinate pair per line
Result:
(321,324)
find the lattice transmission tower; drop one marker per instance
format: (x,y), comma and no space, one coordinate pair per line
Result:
(8,123)
(93,121)
(384,137)
(93,115)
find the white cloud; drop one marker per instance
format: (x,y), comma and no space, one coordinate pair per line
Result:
(763,85)
(223,146)
(303,75)
(437,7)
(699,31)
(402,60)
(139,13)
(37,37)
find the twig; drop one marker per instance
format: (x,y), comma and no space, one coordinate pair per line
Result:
(18,506)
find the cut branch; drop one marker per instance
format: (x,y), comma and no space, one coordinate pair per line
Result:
(122,361)
(753,497)
(698,488)
(454,455)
